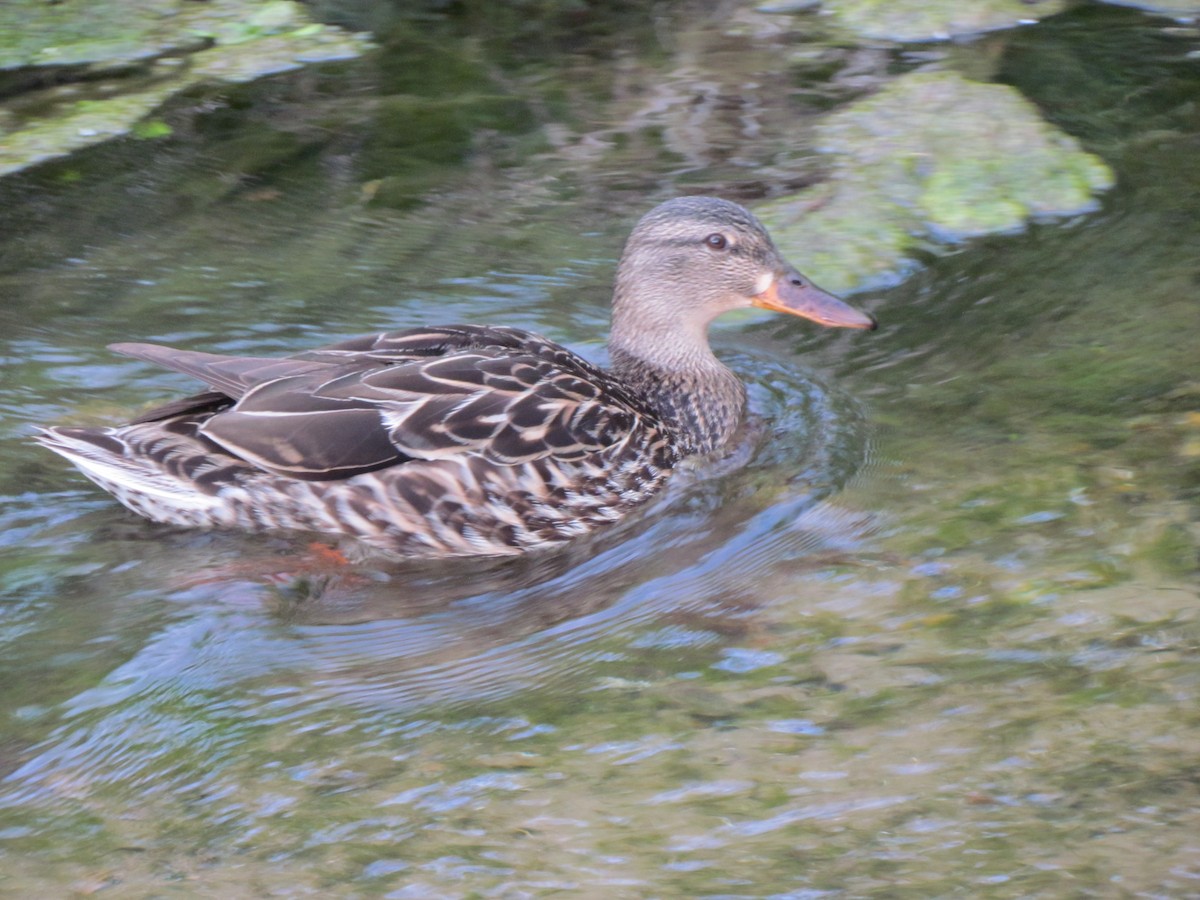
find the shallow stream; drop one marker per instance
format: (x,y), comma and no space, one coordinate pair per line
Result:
(938,635)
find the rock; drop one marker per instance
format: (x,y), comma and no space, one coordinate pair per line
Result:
(930,155)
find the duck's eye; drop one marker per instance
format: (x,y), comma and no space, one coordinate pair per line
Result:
(716,242)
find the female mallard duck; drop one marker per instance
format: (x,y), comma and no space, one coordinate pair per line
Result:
(467,439)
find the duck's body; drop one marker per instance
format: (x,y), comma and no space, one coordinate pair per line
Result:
(449,441)
(463,440)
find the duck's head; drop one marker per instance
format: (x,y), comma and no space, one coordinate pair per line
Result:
(693,258)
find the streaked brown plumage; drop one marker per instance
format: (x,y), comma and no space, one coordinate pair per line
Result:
(465,439)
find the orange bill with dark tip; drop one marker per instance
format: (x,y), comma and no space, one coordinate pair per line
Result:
(795,294)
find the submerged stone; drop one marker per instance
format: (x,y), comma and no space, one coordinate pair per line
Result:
(931,155)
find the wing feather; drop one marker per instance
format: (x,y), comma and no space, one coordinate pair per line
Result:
(378,400)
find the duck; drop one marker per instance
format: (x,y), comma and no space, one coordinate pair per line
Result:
(464,440)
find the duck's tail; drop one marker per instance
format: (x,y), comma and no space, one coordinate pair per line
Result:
(138,480)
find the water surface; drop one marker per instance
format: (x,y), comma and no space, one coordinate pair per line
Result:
(935,634)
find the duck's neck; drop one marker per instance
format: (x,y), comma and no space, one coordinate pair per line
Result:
(694,394)
(658,346)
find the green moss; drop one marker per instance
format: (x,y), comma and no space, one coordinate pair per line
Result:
(960,199)
(149,129)
(843,235)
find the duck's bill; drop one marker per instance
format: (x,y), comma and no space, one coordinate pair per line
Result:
(795,294)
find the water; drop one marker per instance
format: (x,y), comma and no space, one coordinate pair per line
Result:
(935,635)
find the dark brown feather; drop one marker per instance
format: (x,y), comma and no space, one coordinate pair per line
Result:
(380,400)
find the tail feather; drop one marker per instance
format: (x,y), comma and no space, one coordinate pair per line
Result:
(103,456)
(230,375)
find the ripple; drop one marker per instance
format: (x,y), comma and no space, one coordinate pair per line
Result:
(487,630)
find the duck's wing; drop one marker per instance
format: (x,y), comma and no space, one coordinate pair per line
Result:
(230,377)
(380,400)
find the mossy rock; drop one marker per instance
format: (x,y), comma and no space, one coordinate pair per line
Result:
(153,49)
(932,154)
(925,20)
(74,125)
